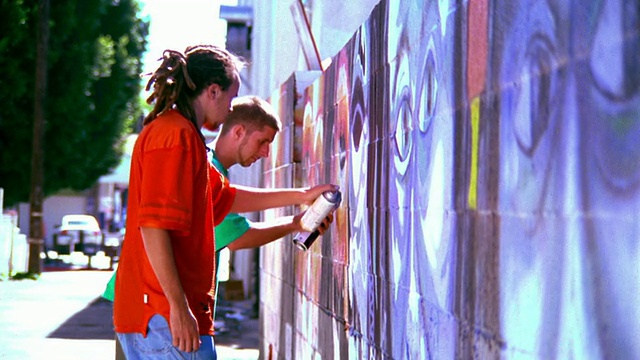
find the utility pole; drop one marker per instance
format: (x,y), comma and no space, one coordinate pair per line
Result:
(36,225)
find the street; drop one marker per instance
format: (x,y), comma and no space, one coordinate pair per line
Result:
(62,316)
(58,316)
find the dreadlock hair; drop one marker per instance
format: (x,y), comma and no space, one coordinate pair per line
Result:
(182,77)
(252,112)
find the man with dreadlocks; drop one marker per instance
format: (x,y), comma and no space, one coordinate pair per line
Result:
(165,279)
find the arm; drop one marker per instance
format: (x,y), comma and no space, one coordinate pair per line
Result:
(184,327)
(265,232)
(253,199)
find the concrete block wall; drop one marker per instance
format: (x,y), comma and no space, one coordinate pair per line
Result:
(489,160)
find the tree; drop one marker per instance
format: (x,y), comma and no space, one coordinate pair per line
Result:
(94,64)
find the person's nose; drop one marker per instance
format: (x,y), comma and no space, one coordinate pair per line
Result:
(264,151)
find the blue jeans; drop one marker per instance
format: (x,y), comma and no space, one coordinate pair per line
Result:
(159,345)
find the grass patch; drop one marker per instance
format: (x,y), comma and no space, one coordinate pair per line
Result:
(25,276)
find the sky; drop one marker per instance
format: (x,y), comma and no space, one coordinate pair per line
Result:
(177,24)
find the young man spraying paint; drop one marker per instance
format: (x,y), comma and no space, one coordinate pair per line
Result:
(166,274)
(246,136)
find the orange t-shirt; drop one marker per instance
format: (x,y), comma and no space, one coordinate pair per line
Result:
(172,186)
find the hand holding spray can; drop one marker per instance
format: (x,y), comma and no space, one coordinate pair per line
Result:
(321,207)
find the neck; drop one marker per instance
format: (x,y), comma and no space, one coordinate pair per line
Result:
(197,109)
(222,152)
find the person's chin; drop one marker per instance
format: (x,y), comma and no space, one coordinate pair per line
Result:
(211,127)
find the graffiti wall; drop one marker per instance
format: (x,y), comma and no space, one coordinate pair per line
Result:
(489,160)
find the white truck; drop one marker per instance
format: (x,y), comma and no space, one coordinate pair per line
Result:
(78,233)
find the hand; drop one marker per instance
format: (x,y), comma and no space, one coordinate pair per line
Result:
(325,223)
(322,228)
(311,194)
(184,330)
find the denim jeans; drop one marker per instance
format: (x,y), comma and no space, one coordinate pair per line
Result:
(158,344)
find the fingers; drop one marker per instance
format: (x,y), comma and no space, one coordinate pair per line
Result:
(325,187)
(187,344)
(312,193)
(195,345)
(332,187)
(184,331)
(324,226)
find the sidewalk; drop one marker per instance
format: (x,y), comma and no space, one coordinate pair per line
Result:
(62,316)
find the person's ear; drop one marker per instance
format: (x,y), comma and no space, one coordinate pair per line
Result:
(214,90)
(239,130)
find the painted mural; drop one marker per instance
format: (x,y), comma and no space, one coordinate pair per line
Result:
(489,161)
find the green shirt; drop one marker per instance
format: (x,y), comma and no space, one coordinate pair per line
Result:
(229,230)
(233,226)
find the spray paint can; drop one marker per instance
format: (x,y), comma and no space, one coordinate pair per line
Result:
(321,207)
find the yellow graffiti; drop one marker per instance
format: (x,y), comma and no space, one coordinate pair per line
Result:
(473,176)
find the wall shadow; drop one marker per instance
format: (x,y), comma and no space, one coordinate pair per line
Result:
(94,322)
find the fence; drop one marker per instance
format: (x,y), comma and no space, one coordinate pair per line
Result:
(14,251)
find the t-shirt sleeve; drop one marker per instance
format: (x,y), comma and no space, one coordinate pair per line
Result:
(167,189)
(230,229)
(110,289)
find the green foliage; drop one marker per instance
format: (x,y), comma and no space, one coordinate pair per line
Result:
(93,87)
(25,276)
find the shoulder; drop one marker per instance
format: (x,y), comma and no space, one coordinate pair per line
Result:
(170,121)
(170,130)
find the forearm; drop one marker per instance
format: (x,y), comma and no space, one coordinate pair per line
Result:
(263,233)
(157,244)
(253,199)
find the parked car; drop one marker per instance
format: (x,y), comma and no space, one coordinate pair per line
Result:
(78,233)
(113,243)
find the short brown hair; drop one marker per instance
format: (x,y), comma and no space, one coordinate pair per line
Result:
(252,112)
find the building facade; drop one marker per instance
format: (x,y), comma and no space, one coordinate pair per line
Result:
(488,157)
